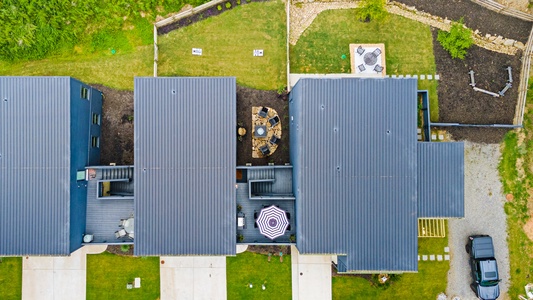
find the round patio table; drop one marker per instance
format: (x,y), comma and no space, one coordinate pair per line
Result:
(370,59)
(129,225)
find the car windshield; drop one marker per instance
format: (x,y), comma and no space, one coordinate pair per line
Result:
(489,282)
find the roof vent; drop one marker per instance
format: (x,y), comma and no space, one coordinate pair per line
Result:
(335,129)
(388,131)
(322,106)
(338,168)
(173,91)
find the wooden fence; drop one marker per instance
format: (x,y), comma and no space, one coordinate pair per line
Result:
(524,77)
(497,7)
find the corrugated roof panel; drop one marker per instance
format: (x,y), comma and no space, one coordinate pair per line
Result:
(441,180)
(34,165)
(185,158)
(357,171)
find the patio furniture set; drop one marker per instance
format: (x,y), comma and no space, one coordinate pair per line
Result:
(126,228)
(271,221)
(370,59)
(266,131)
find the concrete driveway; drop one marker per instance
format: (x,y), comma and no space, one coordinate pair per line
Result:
(193,277)
(311,276)
(57,278)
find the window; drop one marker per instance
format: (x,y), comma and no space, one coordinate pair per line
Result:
(96,119)
(80,175)
(84,93)
(95,142)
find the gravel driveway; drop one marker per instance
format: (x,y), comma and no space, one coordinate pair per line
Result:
(484,214)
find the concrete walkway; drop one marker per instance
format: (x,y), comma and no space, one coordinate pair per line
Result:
(311,276)
(193,277)
(57,278)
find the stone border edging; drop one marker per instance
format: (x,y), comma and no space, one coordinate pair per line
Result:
(497,7)
(187,13)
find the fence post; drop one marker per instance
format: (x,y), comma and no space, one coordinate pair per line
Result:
(156,51)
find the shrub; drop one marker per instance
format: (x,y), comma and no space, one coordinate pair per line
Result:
(228,5)
(219,7)
(369,10)
(457,41)
(124,248)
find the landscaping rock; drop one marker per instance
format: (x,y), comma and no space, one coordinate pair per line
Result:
(508,42)
(498,40)
(520,45)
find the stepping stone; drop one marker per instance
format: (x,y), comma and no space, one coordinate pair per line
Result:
(424,257)
(446,257)
(419,258)
(439,257)
(387,76)
(433,137)
(407,76)
(437,77)
(393,76)
(447,249)
(419,137)
(441,137)
(432,257)
(422,77)
(415,76)
(400,76)
(430,77)
(419,130)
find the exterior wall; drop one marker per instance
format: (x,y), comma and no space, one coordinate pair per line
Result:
(295,101)
(82,153)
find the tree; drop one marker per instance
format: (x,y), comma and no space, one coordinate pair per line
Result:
(369,10)
(457,41)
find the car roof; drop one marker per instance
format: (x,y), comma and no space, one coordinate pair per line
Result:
(482,247)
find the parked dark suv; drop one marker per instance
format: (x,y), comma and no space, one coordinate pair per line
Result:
(484,267)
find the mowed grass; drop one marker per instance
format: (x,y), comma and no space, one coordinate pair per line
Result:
(408,47)
(254,268)
(11,278)
(108,274)
(227,42)
(430,280)
(517,179)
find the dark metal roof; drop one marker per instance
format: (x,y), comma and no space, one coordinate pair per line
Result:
(34,165)
(440,180)
(355,170)
(185,158)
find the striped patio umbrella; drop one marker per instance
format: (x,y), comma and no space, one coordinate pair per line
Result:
(272,222)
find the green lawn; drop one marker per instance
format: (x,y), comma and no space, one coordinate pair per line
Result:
(108,274)
(408,47)
(519,182)
(430,280)
(254,268)
(228,42)
(11,278)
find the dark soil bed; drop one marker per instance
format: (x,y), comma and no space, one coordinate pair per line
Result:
(246,98)
(210,12)
(274,250)
(116,249)
(116,141)
(459,103)
(475,17)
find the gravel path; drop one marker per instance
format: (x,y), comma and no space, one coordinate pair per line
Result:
(484,214)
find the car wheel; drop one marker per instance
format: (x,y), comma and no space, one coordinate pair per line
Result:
(467,249)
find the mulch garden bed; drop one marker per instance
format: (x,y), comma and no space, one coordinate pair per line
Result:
(475,17)
(246,98)
(210,12)
(116,249)
(459,103)
(116,140)
(274,250)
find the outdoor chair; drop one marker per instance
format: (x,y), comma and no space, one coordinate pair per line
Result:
(274,140)
(376,52)
(263,112)
(273,121)
(255,215)
(265,150)
(120,233)
(360,50)
(289,227)
(288,215)
(378,68)
(122,223)
(361,67)
(130,235)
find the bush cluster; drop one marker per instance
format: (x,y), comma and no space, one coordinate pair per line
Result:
(457,41)
(369,10)
(32,29)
